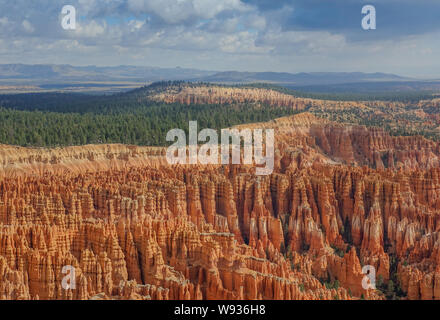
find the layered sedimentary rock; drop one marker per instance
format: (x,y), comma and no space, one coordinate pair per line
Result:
(226,95)
(134,227)
(400,118)
(15,161)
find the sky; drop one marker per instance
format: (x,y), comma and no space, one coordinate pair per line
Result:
(222,35)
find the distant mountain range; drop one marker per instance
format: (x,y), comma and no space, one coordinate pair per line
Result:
(62,73)
(51,73)
(311,78)
(51,77)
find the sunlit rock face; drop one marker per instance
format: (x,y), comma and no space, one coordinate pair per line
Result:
(135,227)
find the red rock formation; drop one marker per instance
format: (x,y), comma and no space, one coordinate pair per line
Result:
(134,227)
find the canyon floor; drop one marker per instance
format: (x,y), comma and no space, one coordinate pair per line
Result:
(341,196)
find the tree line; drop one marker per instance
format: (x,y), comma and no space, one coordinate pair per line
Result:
(142,125)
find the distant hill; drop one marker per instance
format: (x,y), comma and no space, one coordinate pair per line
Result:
(51,73)
(312,78)
(22,78)
(144,116)
(62,73)
(371,87)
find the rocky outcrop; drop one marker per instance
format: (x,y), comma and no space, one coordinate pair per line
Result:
(134,227)
(226,95)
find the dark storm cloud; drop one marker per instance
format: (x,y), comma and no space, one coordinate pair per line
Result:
(395,18)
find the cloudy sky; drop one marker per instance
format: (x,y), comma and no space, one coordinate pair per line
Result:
(244,35)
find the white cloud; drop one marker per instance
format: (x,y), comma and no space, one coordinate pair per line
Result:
(302,42)
(135,25)
(242,42)
(91,29)
(210,34)
(4,21)
(178,11)
(27,26)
